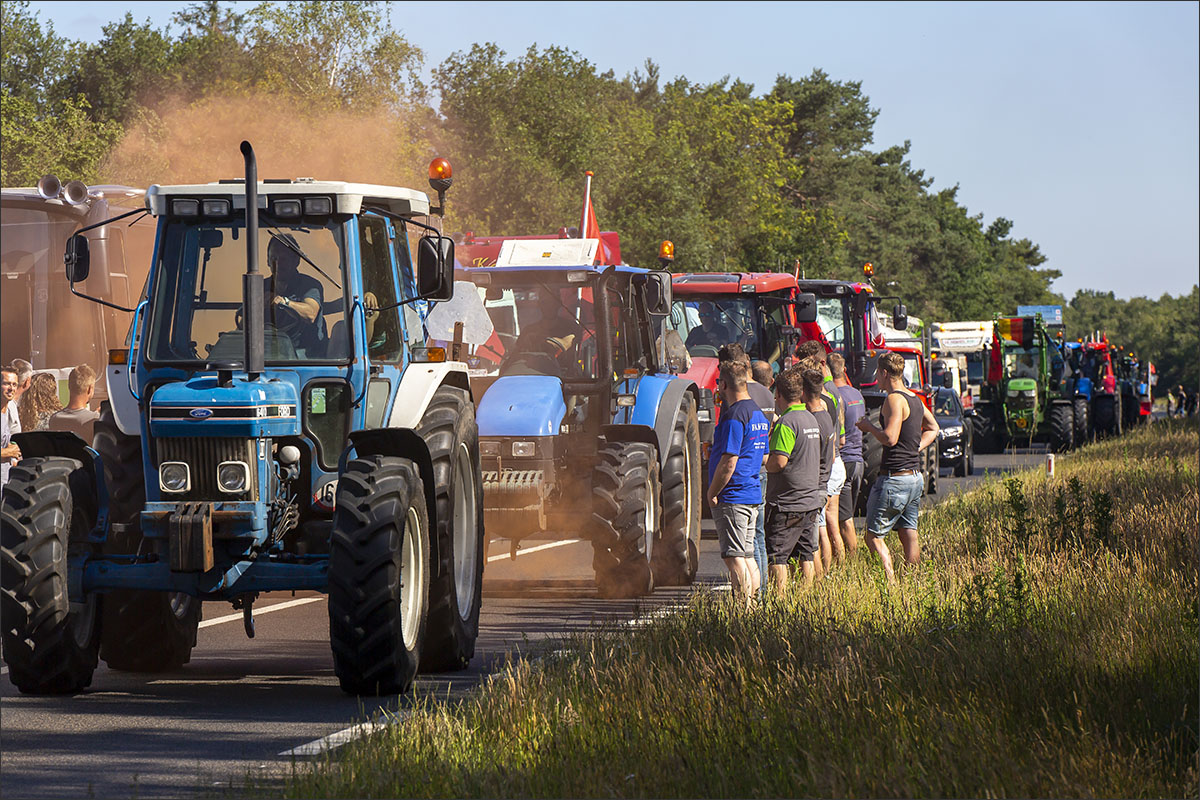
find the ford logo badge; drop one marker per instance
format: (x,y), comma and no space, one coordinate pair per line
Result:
(200,413)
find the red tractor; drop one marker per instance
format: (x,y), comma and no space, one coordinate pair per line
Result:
(764,312)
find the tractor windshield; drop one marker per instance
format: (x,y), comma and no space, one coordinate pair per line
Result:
(831,316)
(196,301)
(546,327)
(1021,362)
(707,324)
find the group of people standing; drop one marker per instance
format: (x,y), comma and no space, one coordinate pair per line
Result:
(30,403)
(786,467)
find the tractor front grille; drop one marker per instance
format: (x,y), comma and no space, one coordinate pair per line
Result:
(202,455)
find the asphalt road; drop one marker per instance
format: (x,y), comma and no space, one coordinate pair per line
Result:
(252,706)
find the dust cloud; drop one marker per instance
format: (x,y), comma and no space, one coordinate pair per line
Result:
(197,142)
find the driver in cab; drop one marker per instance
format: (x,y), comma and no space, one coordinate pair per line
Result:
(293,299)
(553,333)
(1024,367)
(712,332)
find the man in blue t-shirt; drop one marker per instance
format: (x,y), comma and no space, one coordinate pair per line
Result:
(734,489)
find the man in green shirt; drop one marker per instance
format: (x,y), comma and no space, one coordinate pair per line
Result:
(794,488)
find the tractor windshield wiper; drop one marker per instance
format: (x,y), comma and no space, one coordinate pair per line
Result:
(295,248)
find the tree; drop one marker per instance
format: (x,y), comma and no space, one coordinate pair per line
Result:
(340,53)
(126,69)
(67,144)
(33,59)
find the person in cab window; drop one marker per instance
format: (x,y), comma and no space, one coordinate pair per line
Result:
(552,332)
(712,332)
(294,299)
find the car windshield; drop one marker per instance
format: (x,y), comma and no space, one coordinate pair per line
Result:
(546,327)
(196,302)
(946,404)
(707,324)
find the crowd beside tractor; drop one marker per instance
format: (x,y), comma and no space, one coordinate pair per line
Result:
(384,404)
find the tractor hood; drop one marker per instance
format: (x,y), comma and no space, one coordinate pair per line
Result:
(704,373)
(202,407)
(1022,385)
(522,405)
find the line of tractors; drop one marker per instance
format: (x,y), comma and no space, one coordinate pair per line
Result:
(374,407)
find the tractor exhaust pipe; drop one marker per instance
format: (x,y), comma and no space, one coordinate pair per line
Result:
(253,323)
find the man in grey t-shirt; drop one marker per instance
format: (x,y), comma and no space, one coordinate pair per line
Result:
(77,417)
(795,491)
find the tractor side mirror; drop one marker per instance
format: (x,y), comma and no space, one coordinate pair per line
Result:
(806,307)
(658,292)
(900,317)
(948,379)
(435,267)
(77,259)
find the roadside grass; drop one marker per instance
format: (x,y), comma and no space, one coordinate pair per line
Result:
(1045,647)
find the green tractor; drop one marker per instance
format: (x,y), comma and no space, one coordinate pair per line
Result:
(1028,395)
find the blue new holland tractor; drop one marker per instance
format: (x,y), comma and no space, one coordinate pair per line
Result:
(583,428)
(267,432)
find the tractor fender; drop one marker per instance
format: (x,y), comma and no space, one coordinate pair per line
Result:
(630,433)
(657,408)
(65,444)
(417,386)
(121,399)
(400,443)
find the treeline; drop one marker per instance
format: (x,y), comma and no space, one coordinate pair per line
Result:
(739,180)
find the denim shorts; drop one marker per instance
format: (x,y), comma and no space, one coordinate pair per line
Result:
(735,529)
(894,502)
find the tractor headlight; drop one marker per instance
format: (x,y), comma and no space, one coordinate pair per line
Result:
(489,448)
(524,449)
(174,477)
(233,477)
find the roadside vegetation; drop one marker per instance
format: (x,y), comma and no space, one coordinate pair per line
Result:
(1046,647)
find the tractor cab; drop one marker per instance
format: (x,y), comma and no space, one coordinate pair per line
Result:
(578,409)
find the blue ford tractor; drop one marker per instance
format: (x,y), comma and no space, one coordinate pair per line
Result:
(583,428)
(266,432)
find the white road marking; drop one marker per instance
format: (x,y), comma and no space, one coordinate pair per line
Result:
(335,740)
(264,610)
(527,550)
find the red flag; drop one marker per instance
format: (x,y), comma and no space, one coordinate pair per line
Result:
(589,228)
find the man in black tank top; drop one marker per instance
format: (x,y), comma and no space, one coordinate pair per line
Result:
(908,428)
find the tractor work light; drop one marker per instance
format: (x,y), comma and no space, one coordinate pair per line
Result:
(233,477)
(287,208)
(626,400)
(215,208)
(317,206)
(185,208)
(577,276)
(174,477)
(524,449)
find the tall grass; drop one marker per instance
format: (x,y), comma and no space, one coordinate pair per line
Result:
(1045,647)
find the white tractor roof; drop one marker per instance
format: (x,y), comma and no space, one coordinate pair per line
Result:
(348,197)
(547,252)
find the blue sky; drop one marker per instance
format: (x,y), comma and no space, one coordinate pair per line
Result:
(1078,121)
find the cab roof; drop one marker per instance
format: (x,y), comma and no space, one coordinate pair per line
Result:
(686,283)
(348,198)
(551,255)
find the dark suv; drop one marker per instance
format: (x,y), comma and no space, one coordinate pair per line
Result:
(956,441)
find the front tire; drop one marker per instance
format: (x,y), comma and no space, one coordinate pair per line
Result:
(142,631)
(987,428)
(625,519)
(456,584)
(51,645)
(676,555)
(378,575)
(1081,421)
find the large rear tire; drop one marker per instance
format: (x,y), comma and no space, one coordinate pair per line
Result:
(987,424)
(676,555)
(456,583)
(1062,427)
(625,519)
(1081,421)
(378,575)
(142,631)
(50,644)
(1104,420)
